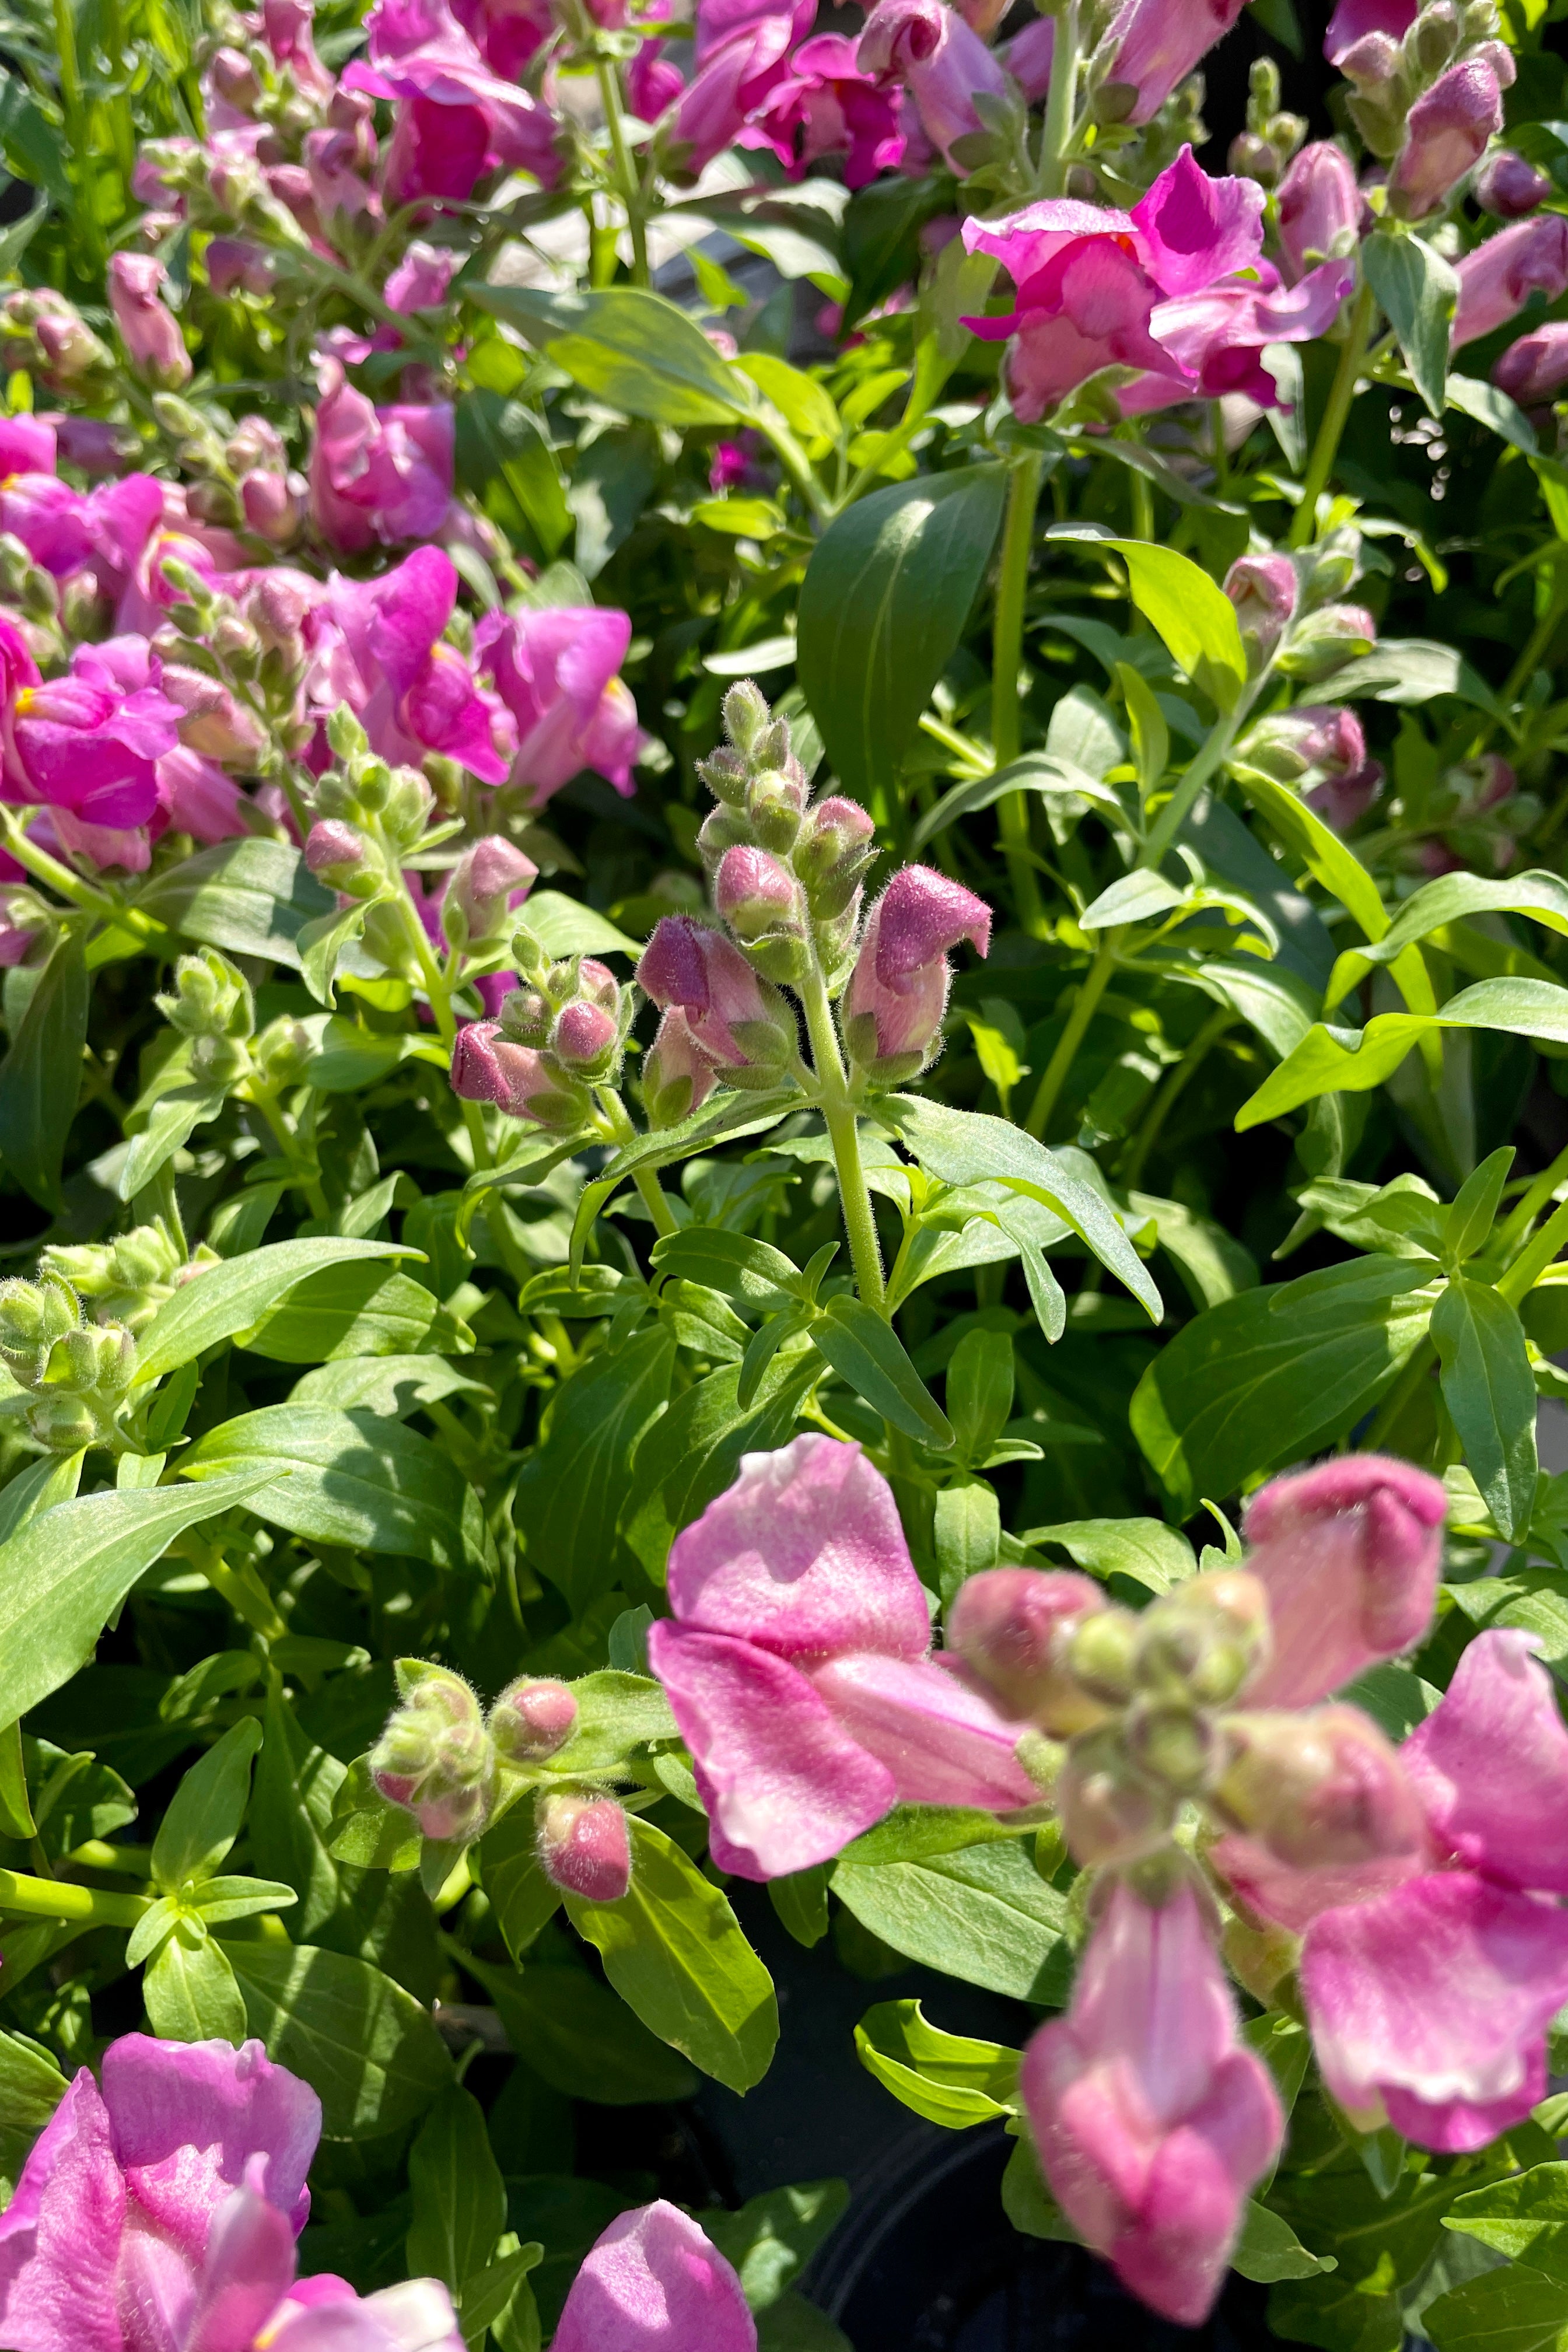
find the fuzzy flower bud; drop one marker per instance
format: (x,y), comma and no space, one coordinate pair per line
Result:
(1323,641)
(774,802)
(1011,1628)
(435,1756)
(746,714)
(1112,1810)
(338,854)
(1315,738)
(1508,187)
(1264,589)
(677,1075)
(489,879)
(488,1068)
(210,999)
(1204,1641)
(33,1316)
(585,1847)
(531,1719)
(1320,208)
(150,335)
(833,853)
(586,1038)
(1448,133)
(1534,370)
(1325,1812)
(733,1016)
(897,990)
(760,902)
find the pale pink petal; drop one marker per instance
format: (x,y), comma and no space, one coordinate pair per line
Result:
(187,2116)
(61,2235)
(655,2284)
(942,1742)
(1490,1765)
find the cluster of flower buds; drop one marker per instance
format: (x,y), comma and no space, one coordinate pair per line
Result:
(233,662)
(558,1035)
(1262,151)
(41,332)
(128,1279)
(1429,103)
(370,818)
(78,1371)
(1289,613)
(211,1008)
(442,1758)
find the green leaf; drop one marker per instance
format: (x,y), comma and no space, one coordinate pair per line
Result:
(674,1951)
(1451,899)
(63,1576)
(367,2048)
(1468,1224)
(190,1990)
(581,2039)
(800,1901)
(1407,671)
(753,1273)
(575,1488)
(1351,1061)
(564,927)
(946,2078)
(1196,618)
(1268,2249)
(1475,397)
(251,898)
(966,1533)
(772,2237)
(206,1810)
(1417,289)
(364,1830)
(459,2198)
(882,607)
(1489,1391)
(1273,1375)
(980,1379)
(866,1354)
(54,1479)
(1525,2216)
(322,942)
(166,1126)
(985,1915)
(353,1311)
(1036,772)
(345,1478)
(967,1147)
(237,1296)
(1329,860)
(1153,1555)
(31,2088)
(397,1385)
(632,350)
(520,1895)
(692,1453)
(800,400)
(1514,2310)
(500,438)
(41,1077)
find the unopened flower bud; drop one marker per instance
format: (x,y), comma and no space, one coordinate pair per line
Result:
(1479,784)
(345,735)
(1320,208)
(1263,588)
(1012,1628)
(96,1360)
(897,991)
(488,1068)
(726,774)
(597,985)
(489,879)
(526,1016)
(760,902)
(1205,1640)
(1534,370)
(1508,187)
(834,848)
(1103,1653)
(1111,1811)
(1174,1744)
(1324,641)
(33,1316)
(150,334)
(586,1039)
(405,810)
(531,1719)
(585,1847)
(281,1052)
(62,1424)
(746,714)
(1319,1786)
(233,78)
(1315,738)
(435,1756)
(735,1018)
(210,999)
(677,1075)
(1448,129)
(774,802)
(339,854)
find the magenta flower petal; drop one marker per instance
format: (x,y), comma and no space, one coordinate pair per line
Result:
(188,2117)
(784,1785)
(59,2236)
(942,1742)
(655,2284)
(1191,228)
(804,1556)
(248,2270)
(1436,1999)
(1490,1766)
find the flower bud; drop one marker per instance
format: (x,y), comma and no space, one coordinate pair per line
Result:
(531,1719)
(435,1756)
(1101,1654)
(64,1424)
(585,1847)
(1111,1811)
(1447,131)
(150,335)
(489,879)
(733,1017)
(1264,588)
(339,855)
(33,1316)
(897,990)
(96,1360)
(1320,1786)
(1534,370)
(283,1051)
(1324,641)
(526,1016)
(406,809)
(833,853)
(586,1039)
(1315,738)
(760,902)
(774,802)
(25,918)
(1174,1744)
(1011,1628)
(1508,187)
(488,1068)
(1481,784)
(1205,1639)
(211,999)
(598,985)
(726,774)
(677,1075)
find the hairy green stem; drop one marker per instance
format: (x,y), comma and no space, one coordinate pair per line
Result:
(1326,448)
(1092,988)
(839,1117)
(1007,643)
(628,186)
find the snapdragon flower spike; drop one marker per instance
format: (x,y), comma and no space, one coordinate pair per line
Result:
(1430,2005)
(533,1717)
(585,1847)
(378,477)
(434,1757)
(798,1666)
(1349,1556)
(897,995)
(1152,2117)
(654,2283)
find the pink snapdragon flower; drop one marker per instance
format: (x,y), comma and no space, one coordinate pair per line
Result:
(159,2214)
(1320,208)
(897,991)
(1429,2006)
(798,1667)
(829,105)
(1216,339)
(378,476)
(1498,279)
(1534,370)
(733,1017)
(1152,2117)
(741,53)
(150,333)
(555,670)
(380,649)
(1156,43)
(1447,132)
(930,49)
(83,743)
(489,1066)
(654,2283)
(1088,279)
(457,119)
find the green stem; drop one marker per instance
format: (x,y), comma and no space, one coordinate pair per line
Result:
(1092,988)
(1534,1198)
(1171,1087)
(793,458)
(1327,446)
(647,1184)
(1057,132)
(843,1132)
(256,1090)
(628,186)
(1007,643)
(1520,1279)
(53,1898)
(1211,757)
(69,886)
